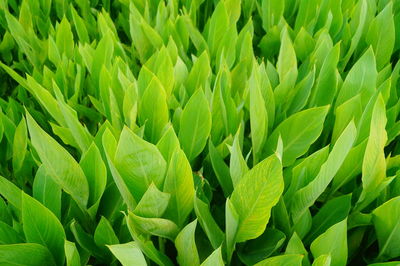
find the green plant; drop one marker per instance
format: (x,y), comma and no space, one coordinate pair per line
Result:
(199,132)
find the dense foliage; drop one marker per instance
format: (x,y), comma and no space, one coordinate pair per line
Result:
(196,132)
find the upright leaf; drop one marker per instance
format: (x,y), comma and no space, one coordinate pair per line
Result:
(386,220)
(179,183)
(41,226)
(186,246)
(153,110)
(96,173)
(360,79)
(254,196)
(333,242)
(215,259)
(19,145)
(195,125)
(374,162)
(382,40)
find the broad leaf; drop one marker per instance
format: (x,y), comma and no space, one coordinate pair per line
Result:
(254,196)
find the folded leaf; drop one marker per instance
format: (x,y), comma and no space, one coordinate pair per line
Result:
(179,183)
(60,165)
(195,125)
(186,246)
(333,242)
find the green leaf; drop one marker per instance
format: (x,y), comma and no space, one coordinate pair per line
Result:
(80,133)
(110,145)
(374,162)
(41,226)
(254,196)
(168,143)
(295,246)
(258,115)
(222,171)
(153,110)
(272,12)
(287,57)
(307,15)
(19,145)
(219,22)
(358,24)
(104,233)
(238,166)
(128,254)
(297,137)
(287,71)
(332,242)
(360,79)
(382,40)
(153,203)
(199,74)
(162,67)
(139,163)
(10,192)
(326,83)
(282,260)
(207,222)
(306,196)
(154,226)
(386,220)
(60,165)
(323,260)
(332,212)
(41,94)
(8,235)
(96,173)
(64,38)
(101,57)
(80,26)
(147,246)
(71,254)
(186,245)
(258,249)
(344,113)
(179,183)
(351,166)
(304,172)
(86,241)
(215,259)
(232,225)
(390,263)
(46,191)
(29,254)
(195,125)
(303,44)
